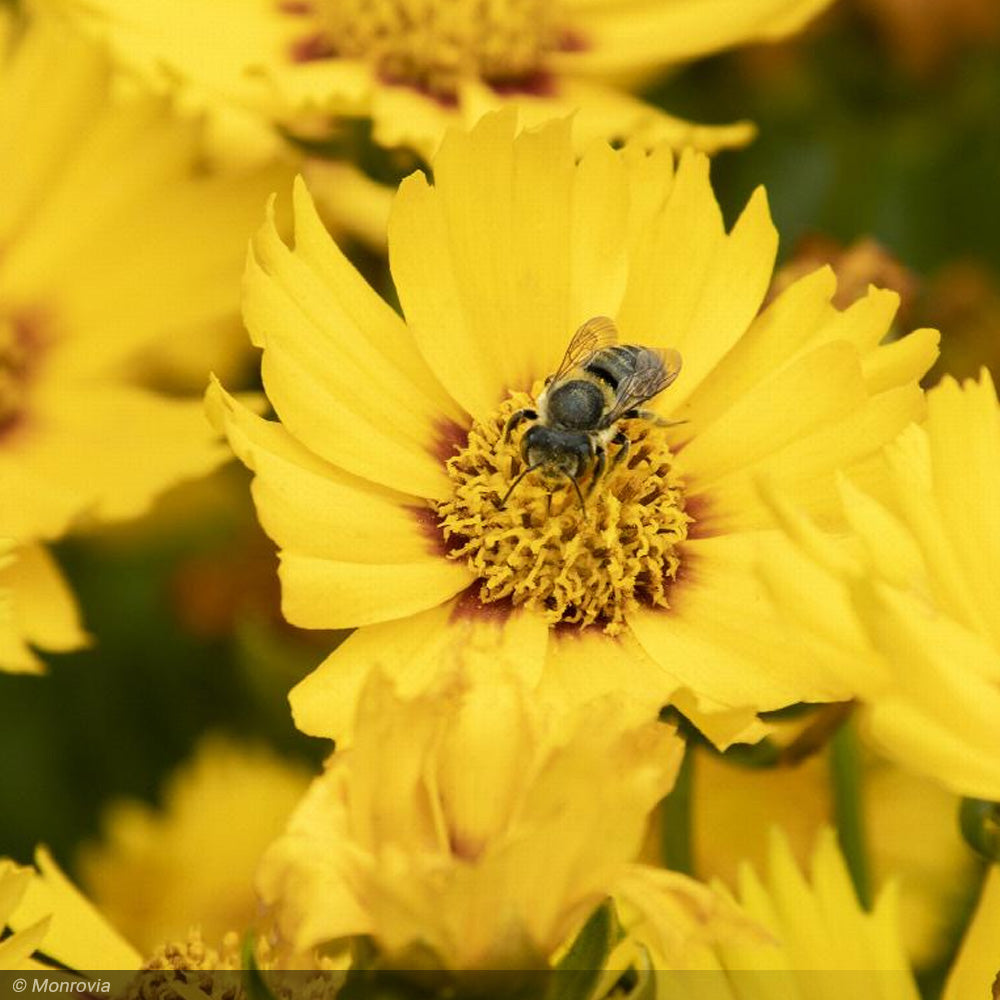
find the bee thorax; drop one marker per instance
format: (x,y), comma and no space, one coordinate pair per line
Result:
(576,405)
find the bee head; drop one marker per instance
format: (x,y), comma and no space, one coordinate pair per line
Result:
(555,453)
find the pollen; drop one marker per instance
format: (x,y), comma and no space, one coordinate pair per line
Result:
(590,566)
(193,953)
(434,44)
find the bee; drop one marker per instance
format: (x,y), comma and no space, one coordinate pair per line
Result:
(598,383)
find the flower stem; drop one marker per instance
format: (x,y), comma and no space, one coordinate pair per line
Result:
(676,819)
(848,808)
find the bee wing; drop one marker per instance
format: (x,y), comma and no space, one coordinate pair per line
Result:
(597,333)
(654,371)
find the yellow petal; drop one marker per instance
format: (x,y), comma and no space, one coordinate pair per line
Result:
(16,950)
(677,914)
(405,117)
(44,137)
(933,717)
(415,652)
(156,38)
(818,389)
(626,35)
(339,366)
(901,361)
(482,261)
(716,281)
(602,112)
(89,164)
(807,467)
(722,638)
(312,508)
(108,450)
(788,325)
(583,664)
(44,611)
(964,435)
(78,937)
(308,871)
(330,593)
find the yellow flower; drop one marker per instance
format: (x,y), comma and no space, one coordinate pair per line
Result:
(49,921)
(115,242)
(470,828)
(36,609)
(416,66)
(381,483)
(156,872)
(914,607)
(824,945)
(735,808)
(976,972)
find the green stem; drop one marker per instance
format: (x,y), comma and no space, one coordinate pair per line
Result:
(848,808)
(676,819)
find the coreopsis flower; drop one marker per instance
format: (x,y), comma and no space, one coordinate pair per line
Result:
(154,871)
(818,933)
(115,241)
(48,921)
(470,828)
(914,605)
(383,482)
(734,810)
(414,67)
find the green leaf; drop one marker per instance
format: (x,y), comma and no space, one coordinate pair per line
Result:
(580,969)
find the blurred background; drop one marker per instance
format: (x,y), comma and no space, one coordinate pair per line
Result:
(880,150)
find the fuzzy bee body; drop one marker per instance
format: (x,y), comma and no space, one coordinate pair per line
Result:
(598,383)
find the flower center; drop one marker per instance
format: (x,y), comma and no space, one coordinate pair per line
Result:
(543,551)
(433,44)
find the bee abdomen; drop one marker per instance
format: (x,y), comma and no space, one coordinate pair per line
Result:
(613,364)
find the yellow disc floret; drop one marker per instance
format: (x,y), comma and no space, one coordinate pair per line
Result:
(580,566)
(433,44)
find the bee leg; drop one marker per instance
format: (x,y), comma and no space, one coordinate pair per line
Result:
(513,485)
(576,486)
(600,458)
(516,418)
(620,439)
(651,417)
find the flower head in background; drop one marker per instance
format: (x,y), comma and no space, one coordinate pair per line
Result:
(735,809)
(154,871)
(821,939)
(469,828)
(414,67)
(914,605)
(382,482)
(115,244)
